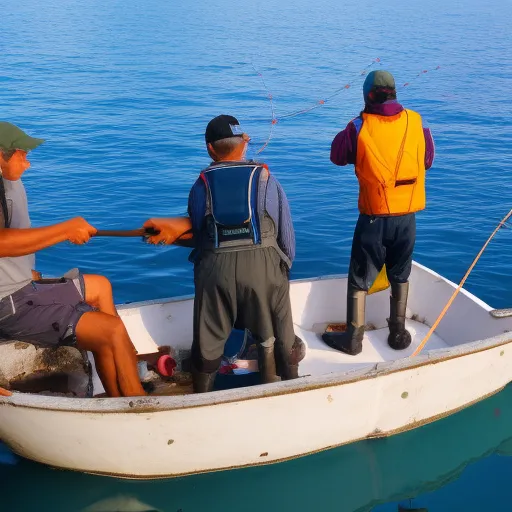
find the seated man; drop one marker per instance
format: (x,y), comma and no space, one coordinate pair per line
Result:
(74,310)
(244,245)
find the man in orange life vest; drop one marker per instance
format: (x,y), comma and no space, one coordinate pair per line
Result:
(391,149)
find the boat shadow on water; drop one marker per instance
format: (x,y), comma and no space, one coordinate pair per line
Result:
(353,478)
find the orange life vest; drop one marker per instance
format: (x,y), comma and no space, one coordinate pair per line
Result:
(390,164)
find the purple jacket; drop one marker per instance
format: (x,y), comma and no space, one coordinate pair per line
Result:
(344,145)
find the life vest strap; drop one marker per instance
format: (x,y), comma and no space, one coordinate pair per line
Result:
(4,210)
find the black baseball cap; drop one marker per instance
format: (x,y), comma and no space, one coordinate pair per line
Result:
(222,127)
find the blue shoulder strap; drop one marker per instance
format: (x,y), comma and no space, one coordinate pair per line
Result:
(358,123)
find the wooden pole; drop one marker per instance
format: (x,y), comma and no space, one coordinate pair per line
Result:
(461,284)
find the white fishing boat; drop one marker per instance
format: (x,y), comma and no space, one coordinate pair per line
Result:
(338,399)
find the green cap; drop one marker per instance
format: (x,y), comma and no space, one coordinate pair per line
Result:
(376,79)
(383,78)
(12,138)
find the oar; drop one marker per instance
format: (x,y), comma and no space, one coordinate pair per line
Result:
(142,232)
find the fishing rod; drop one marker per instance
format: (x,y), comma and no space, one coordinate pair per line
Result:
(461,284)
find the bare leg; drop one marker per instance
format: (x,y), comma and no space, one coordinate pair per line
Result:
(106,368)
(106,337)
(98,293)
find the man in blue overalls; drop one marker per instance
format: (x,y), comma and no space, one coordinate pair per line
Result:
(244,245)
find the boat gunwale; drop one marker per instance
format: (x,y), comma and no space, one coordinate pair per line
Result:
(183,298)
(126,306)
(303,384)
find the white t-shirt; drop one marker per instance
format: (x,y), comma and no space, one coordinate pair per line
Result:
(15,273)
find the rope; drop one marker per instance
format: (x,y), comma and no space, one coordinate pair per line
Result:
(461,284)
(273,121)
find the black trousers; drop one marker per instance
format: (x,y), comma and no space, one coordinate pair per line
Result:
(244,289)
(378,241)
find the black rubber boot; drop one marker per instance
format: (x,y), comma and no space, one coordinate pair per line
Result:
(267,364)
(288,364)
(399,337)
(351,341)
(202,382)
(294,358)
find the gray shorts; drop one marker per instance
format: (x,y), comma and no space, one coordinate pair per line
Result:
(44,312)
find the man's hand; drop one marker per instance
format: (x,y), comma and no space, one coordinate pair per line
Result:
(5,392)
(36,276)
(79,231)
(168,229)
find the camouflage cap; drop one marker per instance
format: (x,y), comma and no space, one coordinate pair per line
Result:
(12,138)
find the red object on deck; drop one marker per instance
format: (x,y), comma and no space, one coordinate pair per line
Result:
(166,365)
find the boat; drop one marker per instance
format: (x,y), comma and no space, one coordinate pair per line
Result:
(337,400)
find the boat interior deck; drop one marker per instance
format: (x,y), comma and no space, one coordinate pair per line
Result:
(321,359)
(62,372)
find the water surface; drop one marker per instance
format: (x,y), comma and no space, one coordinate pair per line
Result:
(122,91)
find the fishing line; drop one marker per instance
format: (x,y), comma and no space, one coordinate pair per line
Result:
(321,102)
(273,120)
(420,74)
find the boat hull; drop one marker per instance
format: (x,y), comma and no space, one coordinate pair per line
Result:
(168,437)
(338,399)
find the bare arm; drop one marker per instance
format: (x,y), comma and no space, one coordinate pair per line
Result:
(20,242)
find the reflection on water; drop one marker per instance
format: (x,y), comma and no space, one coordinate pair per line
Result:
(120,503)
(358,477)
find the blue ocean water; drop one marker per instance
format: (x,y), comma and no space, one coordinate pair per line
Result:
(122,92)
